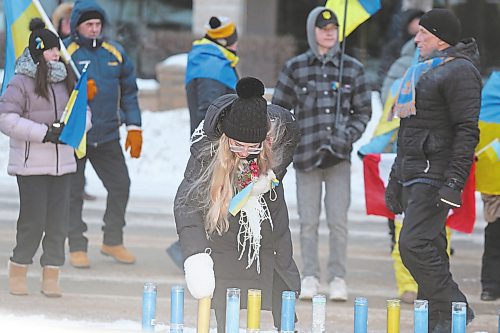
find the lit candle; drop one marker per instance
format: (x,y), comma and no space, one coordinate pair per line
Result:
(176,309)
(253,314)
(233,310)
(393,315)
(360,315)
(420,316)
(148,307)
(458,317)
(203,315)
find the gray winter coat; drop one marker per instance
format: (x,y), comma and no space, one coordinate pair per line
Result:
(276,255)
(25,116)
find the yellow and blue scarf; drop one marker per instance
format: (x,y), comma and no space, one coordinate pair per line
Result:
(405,101)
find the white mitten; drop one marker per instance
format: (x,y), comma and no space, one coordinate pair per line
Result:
(199,273)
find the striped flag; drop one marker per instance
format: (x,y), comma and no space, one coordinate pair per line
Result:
(18,15)
(75,117)
(376,169)
(488,149)
(358,11)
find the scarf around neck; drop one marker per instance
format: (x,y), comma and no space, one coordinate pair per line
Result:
(405,100)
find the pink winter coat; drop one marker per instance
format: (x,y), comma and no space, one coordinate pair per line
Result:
(24,117)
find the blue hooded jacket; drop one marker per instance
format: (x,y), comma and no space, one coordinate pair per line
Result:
(113,73)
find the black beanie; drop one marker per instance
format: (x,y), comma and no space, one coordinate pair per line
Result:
(246,119)
(443,24)
(90,15)
(41,39)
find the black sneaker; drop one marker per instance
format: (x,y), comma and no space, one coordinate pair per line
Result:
(488,296)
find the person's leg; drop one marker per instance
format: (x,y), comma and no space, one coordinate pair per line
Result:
(33,194)
(76,240)
(337,201)
(490,269)
(407,287)
(57,217)
(309,186)
(422,244)
(109,164)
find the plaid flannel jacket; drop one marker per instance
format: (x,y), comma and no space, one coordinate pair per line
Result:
(309,87)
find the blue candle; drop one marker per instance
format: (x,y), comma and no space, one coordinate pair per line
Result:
(420,316)
(360,315)
(176,309)
(458,317)
(149,307)
(233,310)
(288,312)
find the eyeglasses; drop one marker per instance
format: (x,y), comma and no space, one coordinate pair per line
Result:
(248,150)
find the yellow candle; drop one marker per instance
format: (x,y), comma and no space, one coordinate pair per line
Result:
(203,315)
(253,306)
(393,315)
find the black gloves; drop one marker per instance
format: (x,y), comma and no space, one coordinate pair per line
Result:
(450,194)
(393,196)
(53,133)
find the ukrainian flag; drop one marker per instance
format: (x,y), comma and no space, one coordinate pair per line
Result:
(18,15)
(75,118)
(488,149)
(358,11)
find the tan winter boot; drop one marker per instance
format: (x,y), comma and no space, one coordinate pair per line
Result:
(79,259)
(50,281)
(18,284)
(119,253)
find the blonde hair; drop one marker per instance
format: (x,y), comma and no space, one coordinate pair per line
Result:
(222,183)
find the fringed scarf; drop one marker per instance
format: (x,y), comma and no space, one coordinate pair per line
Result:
(405,101)
(252,206)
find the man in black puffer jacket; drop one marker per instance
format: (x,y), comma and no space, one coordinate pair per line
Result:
(439,107)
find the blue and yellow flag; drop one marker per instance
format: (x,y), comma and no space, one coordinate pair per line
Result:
(488,149)
(75,118)
(358,11)
(18,15)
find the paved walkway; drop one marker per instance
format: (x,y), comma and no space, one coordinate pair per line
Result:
(109,292)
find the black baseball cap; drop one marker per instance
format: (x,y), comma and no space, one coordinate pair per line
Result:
(326,17)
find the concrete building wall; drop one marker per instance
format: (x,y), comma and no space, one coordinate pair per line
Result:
(204,9)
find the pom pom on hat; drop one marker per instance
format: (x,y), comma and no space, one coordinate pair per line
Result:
(222,30)
(246,119)
(249,87)
(41,39)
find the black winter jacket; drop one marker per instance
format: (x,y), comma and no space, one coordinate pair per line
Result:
(439,141)
(276,244)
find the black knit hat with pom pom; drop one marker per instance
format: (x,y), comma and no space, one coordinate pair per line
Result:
(246,119)
(41,39)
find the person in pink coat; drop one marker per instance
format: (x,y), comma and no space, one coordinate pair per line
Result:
(30,113)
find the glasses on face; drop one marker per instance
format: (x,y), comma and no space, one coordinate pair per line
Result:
(248,150)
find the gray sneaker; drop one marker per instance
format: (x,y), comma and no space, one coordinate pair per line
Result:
(338,290)
(309,287)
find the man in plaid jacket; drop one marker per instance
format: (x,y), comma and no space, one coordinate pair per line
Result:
(309,84)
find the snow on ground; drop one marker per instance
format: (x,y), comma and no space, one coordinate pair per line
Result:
(40,324)
(159,170)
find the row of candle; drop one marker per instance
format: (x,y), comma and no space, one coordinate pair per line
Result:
(458,311)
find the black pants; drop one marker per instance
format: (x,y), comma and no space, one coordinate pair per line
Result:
(422,244)
(490,270)
(43,214)
(109,163)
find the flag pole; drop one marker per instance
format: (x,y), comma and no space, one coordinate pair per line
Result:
(341,69)
(50,26)
(66,109)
